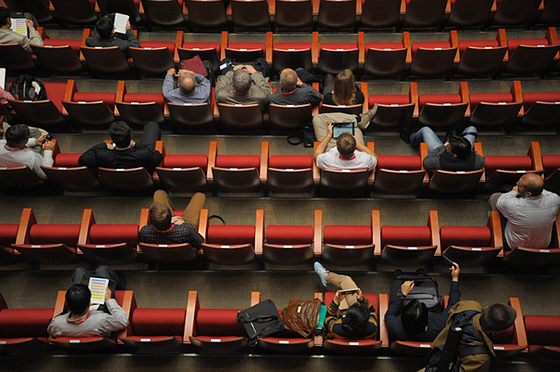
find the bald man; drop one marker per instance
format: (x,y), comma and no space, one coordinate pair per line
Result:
(530,212)
(192,87)
(293,91)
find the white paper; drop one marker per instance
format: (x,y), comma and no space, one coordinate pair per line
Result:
(19,26)
(3,78)
(98,287)
(121,21)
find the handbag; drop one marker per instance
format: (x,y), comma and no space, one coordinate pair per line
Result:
(261,320)
(302,316)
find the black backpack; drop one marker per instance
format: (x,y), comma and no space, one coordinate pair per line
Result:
(28,88)
(261,320)
(425,290)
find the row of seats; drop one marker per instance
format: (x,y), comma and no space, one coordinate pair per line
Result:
(273,246)
(216,331)
(371,60)
(68,109)
(300,15)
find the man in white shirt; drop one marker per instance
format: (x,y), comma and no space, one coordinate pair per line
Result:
(15,150)
(530,212)
(348,153)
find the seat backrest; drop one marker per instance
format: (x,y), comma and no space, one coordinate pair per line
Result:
(455,182)
(250,14)
(230,234)
(542,329)
(372,298)
(289,117)
(15,323)
(424,13)
(349,180)
(294,14)
(187,115)
(467,236)
(380,14)
(408,236)
(289,235)
(207,14)
(467,13)
(515,12)
(336,14)
(60,59)
(492,163)
(218,322)
(13,57)
(163,13)
(114,233)
(18,178)
(399,162)
(105,60)
(158,322)
(241,117)
(132,179)
(78,12)
(54,234)
(348,235)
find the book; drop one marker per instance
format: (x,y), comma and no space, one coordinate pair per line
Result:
(19,26)
(121,20)
(98,287)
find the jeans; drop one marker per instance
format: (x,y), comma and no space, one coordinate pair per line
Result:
(427,135)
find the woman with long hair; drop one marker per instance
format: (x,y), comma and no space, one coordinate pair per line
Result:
(342,90)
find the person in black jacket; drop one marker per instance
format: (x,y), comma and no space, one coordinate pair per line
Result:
(414,322)
(125,152)
(105,35)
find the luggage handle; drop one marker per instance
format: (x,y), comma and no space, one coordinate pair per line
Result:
(256,319)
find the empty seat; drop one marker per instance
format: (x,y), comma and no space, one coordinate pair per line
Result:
(469,13)
(39,9)
(531,56)
(494,110)
(289,118)
(89,109)
(432,58)
(79,12)
(291,55)
(394,111)
(294,15)
(395,174)
(290,174)
(183,173)
(424,13)
(441,110)
(480,57)
(250,14)
(550,14)
(378,14)
(164,13)
(14,58)
(154,58)
(237,117)
(139,108)
(185,116)
(8,234)
(59,56)
(236,173)
(542,109)
(106,61)
(515,12)
(385,59)
(543,336)
(335,57)
(207,15)
(244,51)
(336,14)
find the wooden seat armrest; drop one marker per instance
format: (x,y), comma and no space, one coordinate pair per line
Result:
(127,306)
(60,302)
(212,154)
(268,47)
(408,46)
(414,98)
(85,35)
(376,232)
(318,233)
(502,41)
(263,171)
(536,157)
(383,308)
(144,218)
(255,298)
(494,7)
(69,93)
(26,221)
(315,46)
(517,93)
(318,340)
(478,150)
(495,226)
(361,46)
(433,224)
(259,232)
(519,325)
(316,169)
(88,220)
(178,44)
(225,42)
(272,7)
(56,150)
(465,97)
(403,7)
(203,222)
(454,41)
(423,154)
(190,320)
(365,105)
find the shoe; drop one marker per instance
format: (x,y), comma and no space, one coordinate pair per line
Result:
(405,135)
(322,272)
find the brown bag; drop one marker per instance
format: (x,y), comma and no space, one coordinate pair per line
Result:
(301,316)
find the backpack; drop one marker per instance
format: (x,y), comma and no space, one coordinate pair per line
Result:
(425,290)
(261,320)
(28,88)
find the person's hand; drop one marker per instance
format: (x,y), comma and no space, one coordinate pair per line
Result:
(48,145)
(455,270)
(516,189)
(182,71)
(132,143)
(360,295)
(299,83)
(406,287)
(107,294)
(111,146)
(250,69)
(237,67)
(41,139)
(171,71)
(329,130)
(29,23)
(338,296)
(177,220)
(128,27)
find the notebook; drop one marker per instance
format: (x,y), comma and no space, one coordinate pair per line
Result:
(19,26)
(120,23)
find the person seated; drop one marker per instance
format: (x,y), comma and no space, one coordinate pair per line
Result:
(348,153)
(530,212)
(349,316)
(84,320)
(7,36)
(294,92)
(413,321)
(456,154)
(125,152)
(192,87)
(18,147)
(342,90)
(105,35)
(165,228)
(243,85)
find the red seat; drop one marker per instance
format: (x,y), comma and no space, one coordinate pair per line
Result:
(207,15)
(335,57)
(441,110)
(542,109)
(90,109)
(183,172)
(209,51)
(530,56)
(469,13)
(480,57)
(506,170)
(293,15)
(288,245)
(385,59)
(515,12)
(79,12)
(493,110)
(422,13)
(164,13)
(348,245)
(290,173)
(464,44)
(8,233)
(250,15)
(139,108)
(398,174)
(543,336)
(24,331)
(154,58)
(380,14)
(291,55)
(245,51)
(336,15)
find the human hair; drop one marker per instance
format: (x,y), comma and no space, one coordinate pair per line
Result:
(356,318)
(104,27)
(288,80)
(160,216)
(78,298)
(415,318)
(460,146)
(4,16)
(497,317)
(533,184)
(16,134)
(241,81)
(344,88)
(187,82)
(120,134)
(346,145)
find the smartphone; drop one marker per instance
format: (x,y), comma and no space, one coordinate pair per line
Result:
(449,262)
(49,137)
(349,291)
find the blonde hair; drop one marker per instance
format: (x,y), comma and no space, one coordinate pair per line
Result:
(344,90)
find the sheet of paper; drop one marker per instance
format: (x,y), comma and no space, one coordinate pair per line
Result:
(98,287)
(3,78)
(19,26)
(120,23)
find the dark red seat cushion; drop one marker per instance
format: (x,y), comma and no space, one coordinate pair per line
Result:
(463,45)
(514,43)
(551,162)
(185,161)
(290,161)
(67,160)
(238,161)
(476,98)
(438,99)
(467,236)
(388,99)
(159,44)
(396,162)
(430,45)
(145,97)
(277,234)
(15,323)
(543,329)
(230,235)
(114,233)
(531,97)
(507,336)
(108,98)
(8,233)
(348,235)
(292,46)
(246,45)
(339,46)
(408,236)
(55,234)
(218,322)
(74,44)
(158,322)
(491,163)
(203,45)
(55,93)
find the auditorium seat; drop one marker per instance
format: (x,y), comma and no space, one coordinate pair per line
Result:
(495,110)
(128,7)
(208,51)
(543,336)
(512,341)
(24,331)
(293,15)
(75,12)
(14,58)
(550,14)
(106,61)
(166,14)
(233,244)
(480,57)
(19,179)
(289,118)
(398,174)
(336,15)
(8,234)
(39,9)
(531,56)
(51,244)
(394,111)
(469,13)
(127,181)
(349,245)
(440,111)
(92,110)
(213,331)
(60,56)
(542,110)
(472,246)
(240,117)
(250,15)
(184,172)
(380,14)
(432,58)
(139,108)
(515,12)
(242,51)
(385,59)
(551,165)
(207,15)
(153,58)
(335,57)
(408,245)
(154,330)
(289,174)
(424,13)
(291,55)
(192,116)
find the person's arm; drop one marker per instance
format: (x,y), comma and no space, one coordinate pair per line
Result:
(262,83)
(372,314)
(168,85)
(204,89)
(505,200)
(132,39)
(454,293)
(361,147)
(332,312)
(314,96)
(117,320)
(431,161)
(89,158)
(359,97)
(323,145)
(479,162)
(223,86)
(35,37)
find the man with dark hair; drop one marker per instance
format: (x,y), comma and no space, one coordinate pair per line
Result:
(294,92)
(454,155)
(124,152)
(17,150)
(7,36)
(530,212)
(243,85)
(348,153)
(165,228)
(192,87)
(413,321)
(105,35)
(83,319)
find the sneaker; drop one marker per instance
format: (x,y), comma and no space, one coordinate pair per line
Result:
(405,135)
(322,272)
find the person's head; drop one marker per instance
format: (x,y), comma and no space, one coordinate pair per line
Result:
(5,18)
(241,82)
(288,80)
(356,318)
(78,298)
(346,145)
(160,216)
(344,88)
(17,135)
(459,146)
(530,184)
(497,317)
(120,134)
(415,318)
(105,27)
(187,82)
